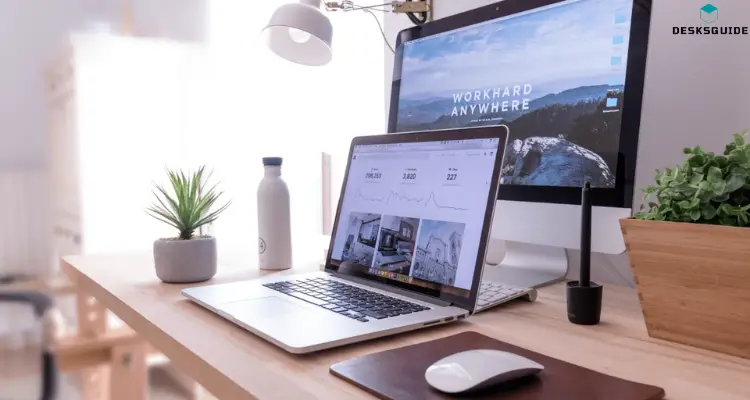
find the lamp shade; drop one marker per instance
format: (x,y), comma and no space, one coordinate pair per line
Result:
(300,33)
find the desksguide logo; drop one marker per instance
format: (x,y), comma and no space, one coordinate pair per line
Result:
(709,13)
(709,16)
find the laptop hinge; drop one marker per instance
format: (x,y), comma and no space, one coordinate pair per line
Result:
(388,288)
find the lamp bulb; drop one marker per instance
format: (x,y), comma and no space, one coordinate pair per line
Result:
(299,36)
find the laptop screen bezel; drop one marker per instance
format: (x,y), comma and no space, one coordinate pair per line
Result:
(486,132)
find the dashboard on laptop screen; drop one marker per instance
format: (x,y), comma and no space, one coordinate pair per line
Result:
(414,212)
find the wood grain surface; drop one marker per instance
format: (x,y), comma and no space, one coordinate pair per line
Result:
(234,364)
(694,282)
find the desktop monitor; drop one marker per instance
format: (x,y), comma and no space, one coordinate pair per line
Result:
(566,77)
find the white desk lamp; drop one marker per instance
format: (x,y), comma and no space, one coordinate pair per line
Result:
(301,33)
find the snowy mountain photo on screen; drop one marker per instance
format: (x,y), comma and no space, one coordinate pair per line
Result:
(547,161)
(554,75)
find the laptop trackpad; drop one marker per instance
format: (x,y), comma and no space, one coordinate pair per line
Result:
(262,308)
(295,325)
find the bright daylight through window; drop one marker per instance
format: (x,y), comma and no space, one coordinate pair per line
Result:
(261,105)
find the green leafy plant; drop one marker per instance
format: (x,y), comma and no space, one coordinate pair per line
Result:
(707,188)
(189,205)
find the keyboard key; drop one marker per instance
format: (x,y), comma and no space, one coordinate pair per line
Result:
(373,314)
(307,298)
(352,314)
(339,309)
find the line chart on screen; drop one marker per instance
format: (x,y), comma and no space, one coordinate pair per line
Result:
(430,200)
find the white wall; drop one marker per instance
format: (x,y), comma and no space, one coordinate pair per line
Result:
(33,30)
(329,104)
(695,91)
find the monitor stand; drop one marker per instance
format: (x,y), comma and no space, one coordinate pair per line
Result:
(523,264)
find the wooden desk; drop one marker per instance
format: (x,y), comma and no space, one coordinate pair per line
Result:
(233,364)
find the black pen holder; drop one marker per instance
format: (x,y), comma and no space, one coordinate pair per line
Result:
(584,303)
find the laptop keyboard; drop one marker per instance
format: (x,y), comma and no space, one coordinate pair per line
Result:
(347,300)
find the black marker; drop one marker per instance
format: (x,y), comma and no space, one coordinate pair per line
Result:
(584,296)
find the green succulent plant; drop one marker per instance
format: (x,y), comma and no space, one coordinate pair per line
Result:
(706,188)
(189,205)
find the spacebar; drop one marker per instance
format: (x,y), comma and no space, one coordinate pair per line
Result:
(307,298)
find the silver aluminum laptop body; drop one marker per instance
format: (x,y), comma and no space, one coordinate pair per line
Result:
(386,272)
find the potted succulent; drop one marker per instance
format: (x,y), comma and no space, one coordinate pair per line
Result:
(191,204)
(689,250)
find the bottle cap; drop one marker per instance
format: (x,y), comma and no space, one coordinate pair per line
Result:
(276,161)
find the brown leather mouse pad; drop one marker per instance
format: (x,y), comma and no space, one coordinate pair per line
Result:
(399,374)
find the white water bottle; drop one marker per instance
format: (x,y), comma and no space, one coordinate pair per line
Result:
(274,222)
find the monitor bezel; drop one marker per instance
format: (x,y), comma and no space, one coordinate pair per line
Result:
(485,132)
(621,196)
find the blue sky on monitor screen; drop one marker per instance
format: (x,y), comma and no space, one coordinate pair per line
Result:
(556,48)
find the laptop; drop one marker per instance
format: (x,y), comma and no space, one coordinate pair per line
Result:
(407,247)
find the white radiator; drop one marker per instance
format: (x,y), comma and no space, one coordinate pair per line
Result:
(25,229)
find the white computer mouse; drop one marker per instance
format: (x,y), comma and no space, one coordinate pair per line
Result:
(478,369)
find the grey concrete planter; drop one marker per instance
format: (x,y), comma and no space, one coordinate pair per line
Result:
(185,261)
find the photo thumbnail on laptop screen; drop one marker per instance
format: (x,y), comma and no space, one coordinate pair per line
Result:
(554,75)
(414,212)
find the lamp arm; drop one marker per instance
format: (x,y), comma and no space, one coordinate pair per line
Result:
(412,7)
(418,11)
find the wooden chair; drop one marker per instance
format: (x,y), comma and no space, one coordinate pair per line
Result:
(41,305)
(112,361)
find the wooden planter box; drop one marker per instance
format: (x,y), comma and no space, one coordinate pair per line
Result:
(693,282)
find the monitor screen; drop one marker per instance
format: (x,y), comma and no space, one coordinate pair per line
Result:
(555,75)
(414,212)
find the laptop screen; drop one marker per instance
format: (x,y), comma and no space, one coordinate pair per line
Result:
(414,212)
